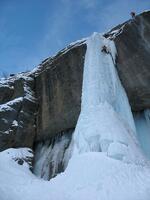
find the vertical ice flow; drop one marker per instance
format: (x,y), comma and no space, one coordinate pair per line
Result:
(105,123)
(100,82)
(142,122)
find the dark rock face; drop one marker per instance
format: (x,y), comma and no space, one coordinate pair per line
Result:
(133,64)
(38,105)
(58,89)
(6,93)
(17,112)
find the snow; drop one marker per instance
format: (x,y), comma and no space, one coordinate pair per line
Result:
(9,80)
(16,153)
(4,85)
(107,161)
(14,123)
(28,93)
(7,106)
(114,33)
(88,176)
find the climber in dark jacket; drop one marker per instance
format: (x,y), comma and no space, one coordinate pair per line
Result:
(105,49)
(132,15)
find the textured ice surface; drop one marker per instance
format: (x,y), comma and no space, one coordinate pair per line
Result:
(106,123)
(52,156)
(142,122)
(100,80)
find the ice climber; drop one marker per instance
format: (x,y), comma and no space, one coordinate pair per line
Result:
(105,49)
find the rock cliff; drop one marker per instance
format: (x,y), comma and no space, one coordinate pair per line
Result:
(17,111)
(132,41)
(37,105)
(58,90)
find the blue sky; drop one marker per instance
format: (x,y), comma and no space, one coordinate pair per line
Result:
(32,30)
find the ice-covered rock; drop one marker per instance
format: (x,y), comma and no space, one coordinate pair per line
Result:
(18,106)
(52,156)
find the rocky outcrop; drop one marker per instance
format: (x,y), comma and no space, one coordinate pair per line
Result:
(17,112)
(58,89)
(37,105)
(132,40)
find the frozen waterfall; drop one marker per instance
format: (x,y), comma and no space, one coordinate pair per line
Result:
(106,123)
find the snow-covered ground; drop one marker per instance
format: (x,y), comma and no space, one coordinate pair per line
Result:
(107,161)
(88,176)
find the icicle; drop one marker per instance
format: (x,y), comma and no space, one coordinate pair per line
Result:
(52,156)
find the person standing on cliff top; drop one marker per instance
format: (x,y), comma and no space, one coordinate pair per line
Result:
(132,15)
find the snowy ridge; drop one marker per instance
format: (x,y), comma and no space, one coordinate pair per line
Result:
(29,94)
(112,34)
(26,78)
(11,79)
(9,105)
(18,97)
(16,155)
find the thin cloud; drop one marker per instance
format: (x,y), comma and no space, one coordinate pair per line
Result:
(57,26)
(88,4)
(101,15)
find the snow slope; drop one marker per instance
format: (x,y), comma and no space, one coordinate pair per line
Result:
(107,161)
(88,176)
